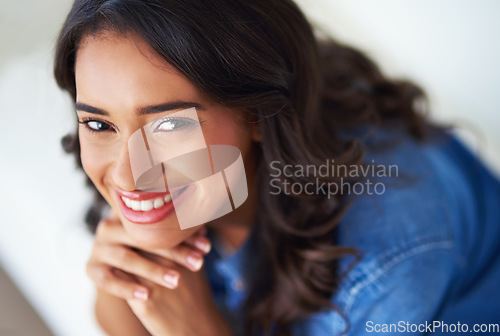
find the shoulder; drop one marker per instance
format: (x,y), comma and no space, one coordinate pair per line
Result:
(428,192)
(415,238)
(406,232)
(409,203)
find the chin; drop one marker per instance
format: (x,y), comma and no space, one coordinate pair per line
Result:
(156,237)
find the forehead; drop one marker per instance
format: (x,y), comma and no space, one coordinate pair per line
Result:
(123,66)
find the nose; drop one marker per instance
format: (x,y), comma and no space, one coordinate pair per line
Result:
(122,170)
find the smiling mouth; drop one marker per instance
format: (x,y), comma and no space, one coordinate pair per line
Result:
(147,205)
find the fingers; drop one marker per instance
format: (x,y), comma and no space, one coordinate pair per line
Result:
(127,260)
(108,280)
(200,242)
(116,261)
(188,254)
(182,255)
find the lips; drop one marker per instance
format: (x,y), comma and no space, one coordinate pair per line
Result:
(145,207)
(142,207)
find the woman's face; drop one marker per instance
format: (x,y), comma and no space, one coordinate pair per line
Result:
(118,77)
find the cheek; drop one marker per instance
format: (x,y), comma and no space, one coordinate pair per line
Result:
(95,161)
(89,166)
(225,130)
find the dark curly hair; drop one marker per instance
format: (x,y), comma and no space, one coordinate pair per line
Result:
(263,57)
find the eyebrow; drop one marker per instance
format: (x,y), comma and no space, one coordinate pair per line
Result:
(165,107)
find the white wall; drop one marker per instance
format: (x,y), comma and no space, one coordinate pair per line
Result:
(43,243)
(450,47)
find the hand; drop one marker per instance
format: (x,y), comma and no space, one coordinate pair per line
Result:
(121,268)
(116,261)
(188,310)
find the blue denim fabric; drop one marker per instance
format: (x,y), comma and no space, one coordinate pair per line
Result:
(430,245)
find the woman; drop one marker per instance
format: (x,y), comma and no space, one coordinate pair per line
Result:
(360,213)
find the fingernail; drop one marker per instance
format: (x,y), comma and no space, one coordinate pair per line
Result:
(195,261)
(141,294)
(171,279)
(203,245)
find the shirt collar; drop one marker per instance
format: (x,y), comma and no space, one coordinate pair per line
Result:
(231,265)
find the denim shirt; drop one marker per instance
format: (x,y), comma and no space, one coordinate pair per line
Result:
(429,247)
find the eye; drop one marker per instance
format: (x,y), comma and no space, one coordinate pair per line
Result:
(96,125)
(173,124)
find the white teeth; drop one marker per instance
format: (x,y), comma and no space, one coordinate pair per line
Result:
(146,205)
(126,201)
(136,205)
(158,203)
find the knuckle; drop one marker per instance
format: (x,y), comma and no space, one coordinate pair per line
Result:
(102,278)
(143,307)
(125,256)
(104,223)
(181,252)
(101,228)
(89,268)
(105,226)
(148,306)
(153,271)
